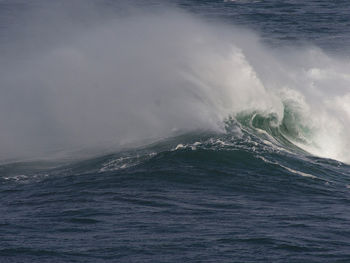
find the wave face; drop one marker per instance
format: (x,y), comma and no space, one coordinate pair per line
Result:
(167,133)
(198,196)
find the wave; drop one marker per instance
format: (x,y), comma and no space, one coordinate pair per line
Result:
(150,75)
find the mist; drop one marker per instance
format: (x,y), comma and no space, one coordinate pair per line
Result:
(113,79)
(81,75)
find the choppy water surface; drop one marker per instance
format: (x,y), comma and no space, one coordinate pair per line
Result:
(221,129)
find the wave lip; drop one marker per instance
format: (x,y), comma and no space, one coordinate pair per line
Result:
(154,75)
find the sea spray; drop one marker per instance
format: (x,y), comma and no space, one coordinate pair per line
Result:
(145,76)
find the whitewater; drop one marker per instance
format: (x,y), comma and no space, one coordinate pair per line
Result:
(149,75)
(166,132)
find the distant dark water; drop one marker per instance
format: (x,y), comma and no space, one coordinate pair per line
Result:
(289,22)
(200,196)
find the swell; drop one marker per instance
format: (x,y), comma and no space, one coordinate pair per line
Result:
(243,153)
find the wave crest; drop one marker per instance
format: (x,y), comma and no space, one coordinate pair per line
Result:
(145,76)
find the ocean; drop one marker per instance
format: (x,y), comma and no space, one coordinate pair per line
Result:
(175,131)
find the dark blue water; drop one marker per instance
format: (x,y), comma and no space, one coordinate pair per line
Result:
(200,196)
(287,22)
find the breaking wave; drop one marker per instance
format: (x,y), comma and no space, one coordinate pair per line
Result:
(141,77)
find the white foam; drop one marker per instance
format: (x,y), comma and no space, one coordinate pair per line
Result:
(138,76)
(287,168)
(298,172)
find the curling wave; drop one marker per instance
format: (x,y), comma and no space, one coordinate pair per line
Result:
(143,77)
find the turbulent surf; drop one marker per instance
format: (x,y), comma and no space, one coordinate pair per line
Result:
(209,131)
